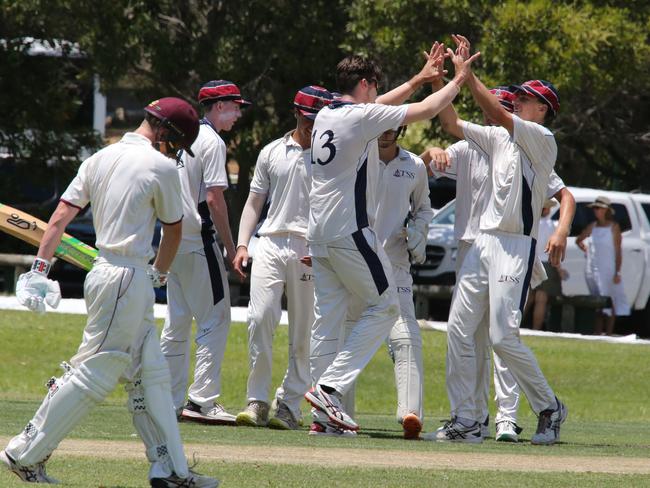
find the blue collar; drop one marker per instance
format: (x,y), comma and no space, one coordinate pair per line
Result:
(339,103)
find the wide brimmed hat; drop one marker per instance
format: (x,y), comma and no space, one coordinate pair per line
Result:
(602,202)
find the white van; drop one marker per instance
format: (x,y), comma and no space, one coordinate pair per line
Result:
(632,214)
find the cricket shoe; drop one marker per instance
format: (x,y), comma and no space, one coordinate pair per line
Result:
(548,424)
(455,431)
(507,431)
(485,428)
(330,404)
(256,414)
(214,415)
(29,474)
(283,418)
(329,429)
(412,426)
(193,480)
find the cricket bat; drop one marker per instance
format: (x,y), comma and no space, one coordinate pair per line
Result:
(30,229)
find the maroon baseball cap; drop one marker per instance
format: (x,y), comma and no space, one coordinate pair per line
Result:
(310,99)
(179,117)
(221,91)
(543,90)
(505,97)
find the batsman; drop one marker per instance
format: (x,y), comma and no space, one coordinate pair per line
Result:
(129,184)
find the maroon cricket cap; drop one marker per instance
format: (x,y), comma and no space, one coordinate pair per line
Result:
(310,99)
(505,97)
(543,90)
(221,91)
(179,117)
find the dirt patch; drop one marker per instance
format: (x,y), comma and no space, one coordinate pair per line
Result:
(367,458)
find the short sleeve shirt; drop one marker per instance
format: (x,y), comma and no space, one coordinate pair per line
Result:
(207,169)
(520,169)
(281,173)
(341,140)
(129,184)
(402,189)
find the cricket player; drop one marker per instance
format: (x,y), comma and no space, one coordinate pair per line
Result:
(130,184)
(470,169)
(496,271)
(347,257)
(197,286)
(401,224)
(280,176)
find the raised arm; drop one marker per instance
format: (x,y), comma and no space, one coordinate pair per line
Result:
(434,103)
(488,103)
(431,71)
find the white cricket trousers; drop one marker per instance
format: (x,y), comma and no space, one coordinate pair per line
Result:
(119,300)
(277,269)
(493,279)
(507,393)
(197,287)
(405,345)
(354,265)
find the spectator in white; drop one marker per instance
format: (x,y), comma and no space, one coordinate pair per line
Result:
(604,261)
(281,176)
(198,285)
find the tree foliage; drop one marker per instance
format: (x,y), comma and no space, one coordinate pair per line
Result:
(596,52)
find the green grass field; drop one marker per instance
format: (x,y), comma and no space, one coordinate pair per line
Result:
(605,387)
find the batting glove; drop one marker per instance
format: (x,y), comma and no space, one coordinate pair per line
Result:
(416,241)
(34,289)
(158,279)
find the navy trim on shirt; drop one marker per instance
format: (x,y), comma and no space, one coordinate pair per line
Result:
(360,205)
(528,276)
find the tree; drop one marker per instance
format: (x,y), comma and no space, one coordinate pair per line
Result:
(596,53)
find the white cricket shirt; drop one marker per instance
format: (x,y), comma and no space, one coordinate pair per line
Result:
(341,138)
(207,169)
(402,188)
(129,184)
(471,169)
(281,173)
(521,166)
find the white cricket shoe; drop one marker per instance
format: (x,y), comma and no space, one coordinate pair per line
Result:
(454,431)
(193,480)
(256,414)
(29,474)
(215,415)
(330,404)
(329,429)
(548,425)
(284,419)
(507,431)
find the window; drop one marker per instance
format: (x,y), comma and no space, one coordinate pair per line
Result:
(446,216)
(646,209)
(584,216)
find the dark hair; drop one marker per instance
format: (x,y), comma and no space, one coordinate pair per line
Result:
(549,117)
(153,121)
(352,69)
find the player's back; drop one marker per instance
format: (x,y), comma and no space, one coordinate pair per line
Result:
(127,183)
(339,152)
